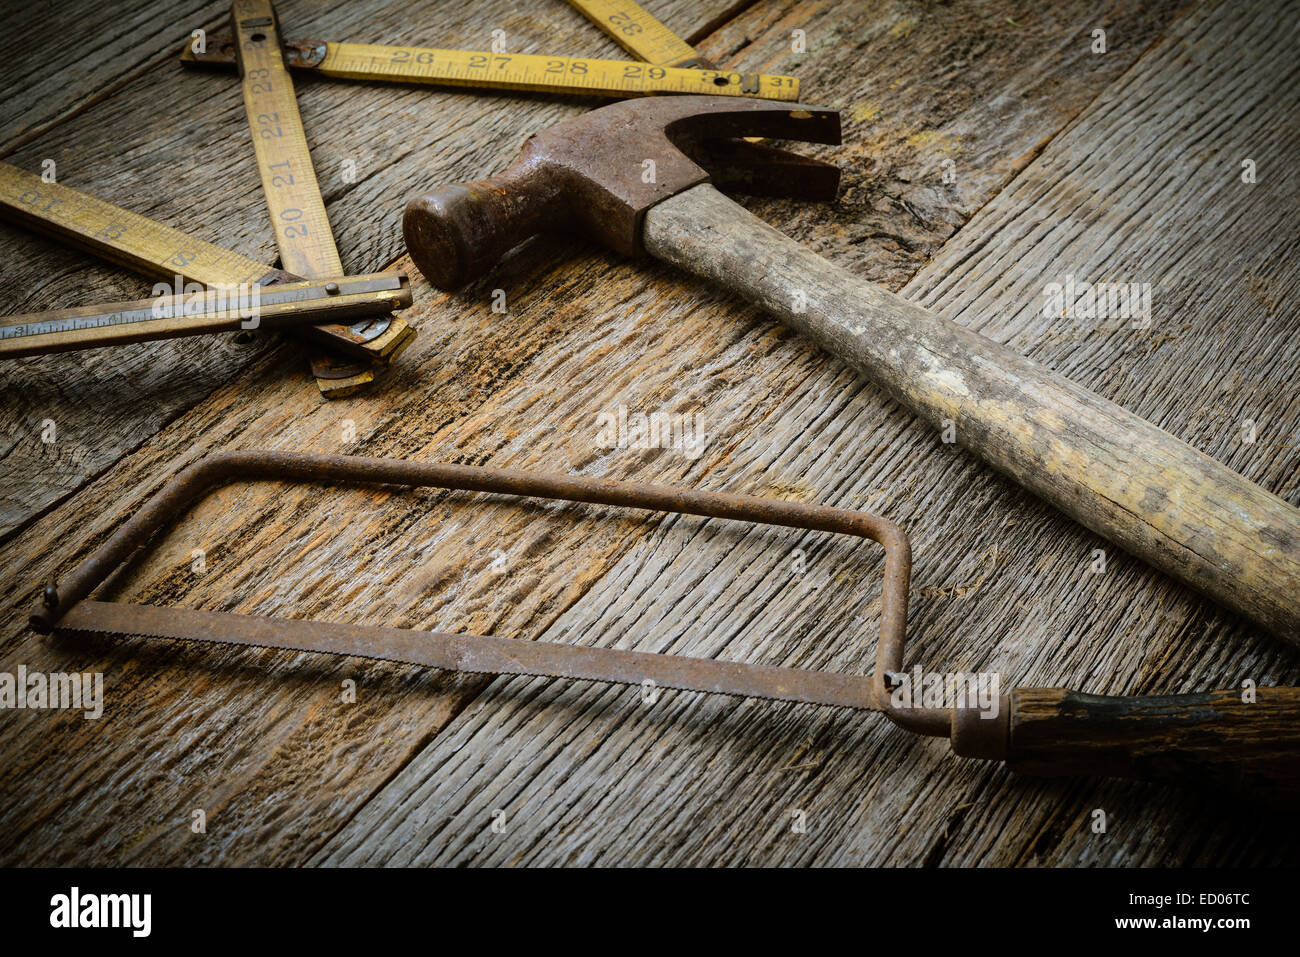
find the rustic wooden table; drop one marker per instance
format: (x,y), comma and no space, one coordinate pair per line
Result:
(1117,166)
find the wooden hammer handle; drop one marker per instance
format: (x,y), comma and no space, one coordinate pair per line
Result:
(1251,748)
(1117,474)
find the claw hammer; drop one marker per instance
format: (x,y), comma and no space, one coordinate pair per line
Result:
(1110,470)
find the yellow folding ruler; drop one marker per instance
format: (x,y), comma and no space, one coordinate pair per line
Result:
(637,32)
(163,252)
(293,198)
(664,70)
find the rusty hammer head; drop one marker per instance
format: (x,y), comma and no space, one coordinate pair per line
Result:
(599,173)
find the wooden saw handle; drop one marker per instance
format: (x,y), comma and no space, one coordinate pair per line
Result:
(1213,739)
(1115,473)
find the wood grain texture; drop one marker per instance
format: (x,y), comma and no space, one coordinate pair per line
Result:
(413,770)
(59,58)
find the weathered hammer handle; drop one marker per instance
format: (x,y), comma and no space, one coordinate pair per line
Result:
(1216,740)
(1119,475)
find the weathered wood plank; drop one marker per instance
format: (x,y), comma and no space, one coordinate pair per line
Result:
(56,59)
(1002,583)
(263,742)
(161,163)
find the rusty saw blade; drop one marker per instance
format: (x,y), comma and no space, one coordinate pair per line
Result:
(480,654)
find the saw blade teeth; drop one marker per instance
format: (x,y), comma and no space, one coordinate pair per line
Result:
(550,675)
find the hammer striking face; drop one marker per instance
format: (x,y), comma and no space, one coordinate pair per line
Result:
(599,173)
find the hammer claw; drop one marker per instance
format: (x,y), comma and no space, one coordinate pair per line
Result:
(781,121)
(756,169)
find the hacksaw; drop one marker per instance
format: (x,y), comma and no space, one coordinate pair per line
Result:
(1251,747)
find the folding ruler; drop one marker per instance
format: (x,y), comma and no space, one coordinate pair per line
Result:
(670,64)
(162,252)
(302,233)
(293,198)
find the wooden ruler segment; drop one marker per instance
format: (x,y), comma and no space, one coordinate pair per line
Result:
(157,250)
(302,229)
(293,198)
(215,309)
(639,33)
(119,235)
(507,71)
